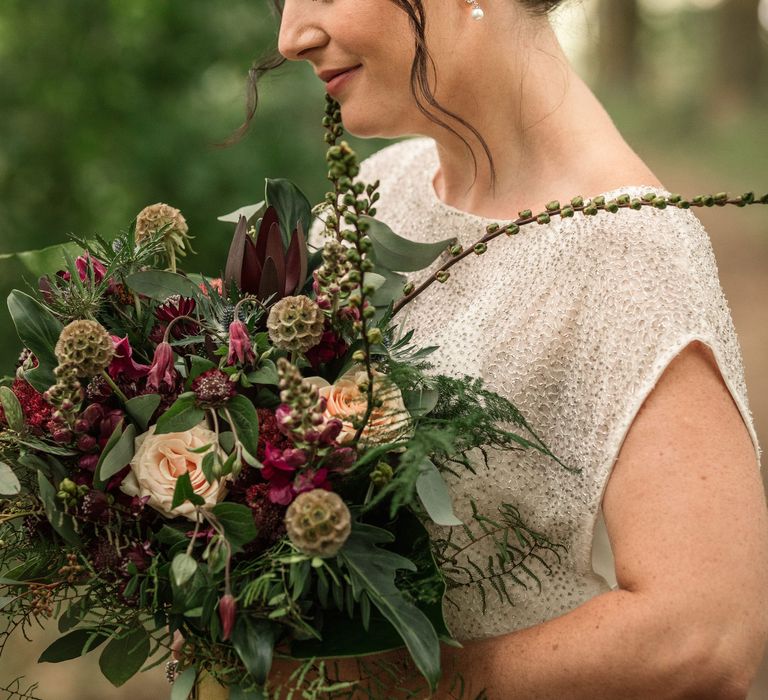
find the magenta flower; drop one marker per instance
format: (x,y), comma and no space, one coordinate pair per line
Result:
(240,349)
(84,262)
(123,363)
(162,370)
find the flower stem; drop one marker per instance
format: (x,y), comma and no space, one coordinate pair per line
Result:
(120,395)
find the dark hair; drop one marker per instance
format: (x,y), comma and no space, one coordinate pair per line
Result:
(415,11)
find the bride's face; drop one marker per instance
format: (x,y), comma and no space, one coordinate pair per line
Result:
(376,101)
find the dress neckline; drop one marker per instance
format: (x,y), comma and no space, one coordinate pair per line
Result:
(433,163)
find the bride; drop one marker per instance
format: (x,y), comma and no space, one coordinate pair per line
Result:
(610,333)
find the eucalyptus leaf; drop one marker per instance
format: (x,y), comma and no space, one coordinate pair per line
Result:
(183,684)
(245,422)
(44,260)
(119,455)
(254,642)
(183,568)
(291,205)
(39,330)
(401,254)
(72,646)
(161,284)
(434,495)
(98,482)
(125,654)
(14,415)
(182,415)
(142,408)
(9,482)
(249,212)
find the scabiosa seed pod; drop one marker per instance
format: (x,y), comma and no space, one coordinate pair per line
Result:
(296,323)
(318,522)
(159,216)
(213,388)
(86,347)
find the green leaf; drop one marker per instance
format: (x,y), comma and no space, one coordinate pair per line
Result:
(113,440)
(44,260)
(183,568)
(237,521)
(39,330)
(142,408)
(124,656)
(9,483)
(184,683)
(74,614)
(14,414)
(373,570)
(419,402)
(245,422)
(254,642)
(401,254)
(182,415)
(391,289)
(184,492)
(249,212)
(291,206)
(198,365)
(237,693)
(170,536)
(434,495)
(72,646)
(161,284)
(119,455)
(60,521)
(266,374)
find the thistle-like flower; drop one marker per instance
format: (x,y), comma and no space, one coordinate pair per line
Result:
(296,324)
(85,347)
(213,388)
(318,523)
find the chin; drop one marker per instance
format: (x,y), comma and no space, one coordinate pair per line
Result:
(368,121)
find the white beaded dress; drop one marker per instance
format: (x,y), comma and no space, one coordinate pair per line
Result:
(573,321)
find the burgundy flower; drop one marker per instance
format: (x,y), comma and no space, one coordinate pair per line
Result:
(172,308)
(37,411)
(95,507)
(268,517)
(282,460)
(240,349)
(162,371)
(123,363)
(311,479)
(84,262)
(139,554)
(329,348)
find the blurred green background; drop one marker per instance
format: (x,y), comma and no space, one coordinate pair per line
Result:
(109,105)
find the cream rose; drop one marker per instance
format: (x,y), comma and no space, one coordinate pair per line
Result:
(345,401)
(161,459)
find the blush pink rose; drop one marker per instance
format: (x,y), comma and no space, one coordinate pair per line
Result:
(344,400)
(161,459)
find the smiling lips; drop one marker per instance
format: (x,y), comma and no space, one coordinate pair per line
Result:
(334,79)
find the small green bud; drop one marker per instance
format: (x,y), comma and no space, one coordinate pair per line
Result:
(698,199)
(358,355)
(589,210)
(709,200)
(525,214)
(554,205)
(683,204)
(764,199)
(648,196)
(366,265)
(442,276)
(353,276)
(599,201)
(492,228)
(68,486)
(566,212)
(479,248)
(374,334)
(368,289)
(660,203)
(721,198)
(456,249)
(381,474)
(542,218)
(512,229)
(674,198)
(577,201)
(622,199)
(369,312)
(636,203)
(408,287)
(748,197)
(363,225)
(612,206)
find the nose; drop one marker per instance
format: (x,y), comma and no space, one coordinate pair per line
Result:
(300,30)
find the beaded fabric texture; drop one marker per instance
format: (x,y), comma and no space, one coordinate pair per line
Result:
(573,321)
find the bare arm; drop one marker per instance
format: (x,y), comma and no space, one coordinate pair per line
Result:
(686,514)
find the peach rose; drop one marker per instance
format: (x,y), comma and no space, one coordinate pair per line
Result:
(161,459)
(345,401)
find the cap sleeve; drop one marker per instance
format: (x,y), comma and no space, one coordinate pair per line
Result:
(632,290)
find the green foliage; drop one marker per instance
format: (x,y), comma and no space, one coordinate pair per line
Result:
(182,415)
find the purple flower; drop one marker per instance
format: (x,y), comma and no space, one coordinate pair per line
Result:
(239,344)
(162,371)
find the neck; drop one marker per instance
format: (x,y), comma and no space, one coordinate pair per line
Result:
(543,128)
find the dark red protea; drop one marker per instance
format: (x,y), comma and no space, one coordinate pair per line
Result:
(213,388)
(264,267)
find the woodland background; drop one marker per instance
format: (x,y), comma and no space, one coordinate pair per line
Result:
(107,106)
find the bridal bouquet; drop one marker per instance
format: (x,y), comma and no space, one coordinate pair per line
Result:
(244,464)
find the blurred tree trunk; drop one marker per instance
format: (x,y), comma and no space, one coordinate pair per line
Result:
(741,56)
(618,53)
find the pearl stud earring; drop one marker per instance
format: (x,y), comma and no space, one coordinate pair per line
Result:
(477,12)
